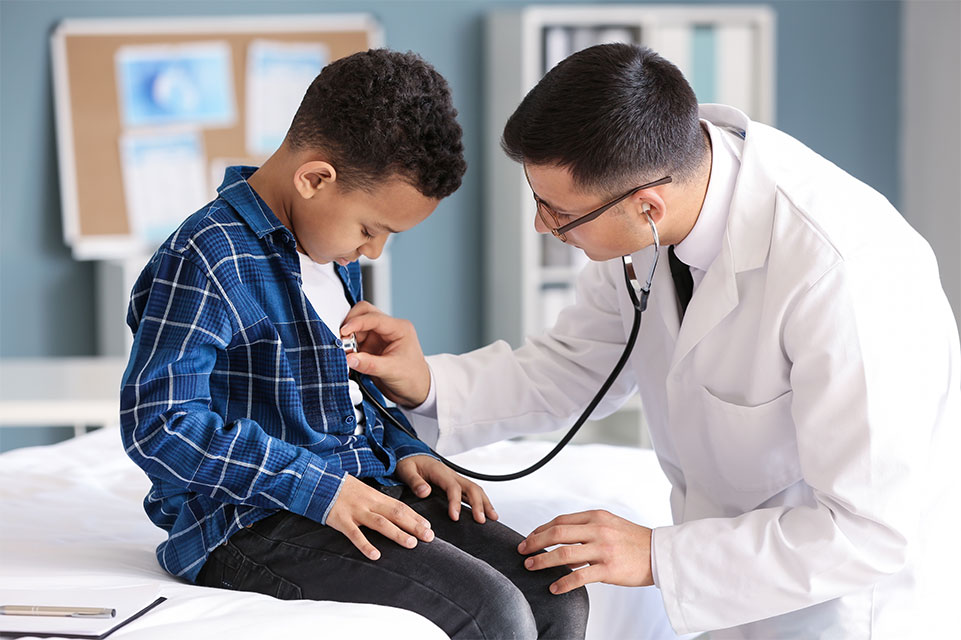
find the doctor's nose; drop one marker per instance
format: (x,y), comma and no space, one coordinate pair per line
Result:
(539,225)
(374,247)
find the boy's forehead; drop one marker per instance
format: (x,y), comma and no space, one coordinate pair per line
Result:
(397,205)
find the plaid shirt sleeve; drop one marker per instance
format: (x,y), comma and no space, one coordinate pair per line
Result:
(169,427)
(403,445)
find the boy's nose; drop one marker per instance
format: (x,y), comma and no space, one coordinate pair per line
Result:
(374,247)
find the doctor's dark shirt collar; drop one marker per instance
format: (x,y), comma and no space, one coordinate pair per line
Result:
(703,244)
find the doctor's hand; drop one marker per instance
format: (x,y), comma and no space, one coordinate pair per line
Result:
(419,472)
(359,505)
(601,547)
(389,352)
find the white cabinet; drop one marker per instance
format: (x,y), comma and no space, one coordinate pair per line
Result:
(726,53)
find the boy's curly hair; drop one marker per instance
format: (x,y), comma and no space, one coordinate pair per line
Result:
(380,113)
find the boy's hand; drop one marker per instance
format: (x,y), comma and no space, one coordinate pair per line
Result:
(420,471)
(391,354)
(359,505)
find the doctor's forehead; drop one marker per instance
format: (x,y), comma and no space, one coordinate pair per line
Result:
(555,185)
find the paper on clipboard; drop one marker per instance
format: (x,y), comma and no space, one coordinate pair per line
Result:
(278,74)
(128,601)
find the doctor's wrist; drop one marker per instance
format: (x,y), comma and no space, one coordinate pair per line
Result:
(427,407)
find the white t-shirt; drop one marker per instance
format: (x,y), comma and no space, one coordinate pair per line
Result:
(325,290)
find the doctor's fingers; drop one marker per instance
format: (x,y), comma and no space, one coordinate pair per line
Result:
(368,364)
(535,537)
(579,578)
(361,308)
(556,534)
(375,321)
(581,517)
(571,555)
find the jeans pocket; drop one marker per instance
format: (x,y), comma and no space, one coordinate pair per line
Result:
(231,569)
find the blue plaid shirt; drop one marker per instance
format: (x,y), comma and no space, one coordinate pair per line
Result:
(235,400)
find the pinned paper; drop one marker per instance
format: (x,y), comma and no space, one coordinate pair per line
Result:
(188,84)
(164,180)
(278,74)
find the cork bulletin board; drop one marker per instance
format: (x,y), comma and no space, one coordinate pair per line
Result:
(90,110)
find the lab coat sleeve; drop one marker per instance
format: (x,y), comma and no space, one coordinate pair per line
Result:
(496,393)
(868,375)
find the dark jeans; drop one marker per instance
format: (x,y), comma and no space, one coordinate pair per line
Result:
(470,581)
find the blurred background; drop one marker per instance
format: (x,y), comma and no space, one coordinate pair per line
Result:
(872,85)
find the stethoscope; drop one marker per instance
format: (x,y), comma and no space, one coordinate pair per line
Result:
(638,295)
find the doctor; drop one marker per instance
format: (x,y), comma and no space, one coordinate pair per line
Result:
(798,364)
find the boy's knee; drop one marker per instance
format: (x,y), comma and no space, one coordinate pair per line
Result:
(506,613)
(563,616)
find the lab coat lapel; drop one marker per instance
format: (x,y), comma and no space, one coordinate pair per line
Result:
(714,298)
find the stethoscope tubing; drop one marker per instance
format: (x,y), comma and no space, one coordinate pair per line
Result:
(638,295)
(476,475)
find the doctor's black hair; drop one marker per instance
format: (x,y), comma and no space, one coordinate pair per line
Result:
(379,113)
(613,115)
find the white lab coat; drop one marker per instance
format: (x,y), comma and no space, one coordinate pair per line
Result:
(806,413)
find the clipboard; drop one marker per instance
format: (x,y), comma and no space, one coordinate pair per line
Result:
(129,603)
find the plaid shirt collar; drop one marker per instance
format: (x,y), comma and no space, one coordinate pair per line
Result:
(240,195)
(251,207)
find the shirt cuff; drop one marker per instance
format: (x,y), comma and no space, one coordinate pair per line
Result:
(428,408)
(657,583)
(318,490)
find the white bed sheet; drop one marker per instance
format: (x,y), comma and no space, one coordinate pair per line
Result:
(71,517)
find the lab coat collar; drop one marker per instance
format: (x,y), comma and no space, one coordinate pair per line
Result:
(750,223)
(746,240)
(702,244)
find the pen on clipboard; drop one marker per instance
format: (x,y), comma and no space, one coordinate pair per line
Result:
(59,612)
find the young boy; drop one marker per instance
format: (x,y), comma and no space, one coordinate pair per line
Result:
(270,473)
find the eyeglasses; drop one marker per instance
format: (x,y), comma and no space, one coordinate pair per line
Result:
(549,216)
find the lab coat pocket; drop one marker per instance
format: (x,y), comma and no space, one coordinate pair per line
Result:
(753,447)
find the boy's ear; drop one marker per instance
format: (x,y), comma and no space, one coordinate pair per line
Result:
(313,176)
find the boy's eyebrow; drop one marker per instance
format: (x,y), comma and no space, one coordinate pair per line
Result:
(383,227)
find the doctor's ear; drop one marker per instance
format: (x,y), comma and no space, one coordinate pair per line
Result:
(653,211)
(311,177)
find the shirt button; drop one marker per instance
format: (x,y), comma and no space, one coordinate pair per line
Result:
(339,342)
(349,419)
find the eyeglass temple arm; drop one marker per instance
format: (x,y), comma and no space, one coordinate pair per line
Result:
(591,216)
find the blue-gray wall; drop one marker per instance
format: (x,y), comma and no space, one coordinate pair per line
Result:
(837,90)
